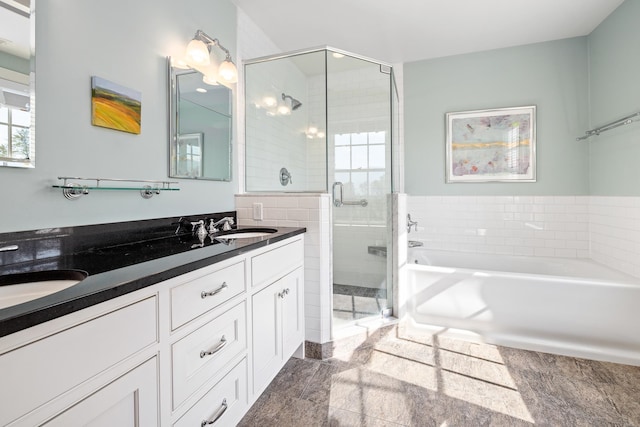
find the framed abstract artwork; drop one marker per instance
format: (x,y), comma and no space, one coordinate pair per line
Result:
(114,106)
(491,145)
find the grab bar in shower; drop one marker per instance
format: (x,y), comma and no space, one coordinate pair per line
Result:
(338,200)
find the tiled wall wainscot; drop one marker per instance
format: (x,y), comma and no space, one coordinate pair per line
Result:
(614,229)
(604,229)
(512,225)
(313,212)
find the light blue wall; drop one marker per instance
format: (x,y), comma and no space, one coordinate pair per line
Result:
(552,76)
(614,49)
(125,42)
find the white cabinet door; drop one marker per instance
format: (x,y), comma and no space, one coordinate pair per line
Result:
(278,326)
(131,400)
(267,343)
(292,312)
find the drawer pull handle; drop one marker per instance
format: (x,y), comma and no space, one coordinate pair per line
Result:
(217,415)
(205,294)
(220,346)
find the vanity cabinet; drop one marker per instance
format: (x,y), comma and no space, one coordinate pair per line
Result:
(131,400)
(54,368)
(278,326)
(192,349)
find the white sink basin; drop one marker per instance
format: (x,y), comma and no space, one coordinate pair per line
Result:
(248,233)
(25,287)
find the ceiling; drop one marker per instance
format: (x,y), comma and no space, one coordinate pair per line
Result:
(411,30)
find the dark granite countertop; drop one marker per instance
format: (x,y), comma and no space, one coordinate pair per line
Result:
(118,269)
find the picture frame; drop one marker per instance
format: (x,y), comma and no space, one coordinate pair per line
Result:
(189,155)
(114,106)
(493,145)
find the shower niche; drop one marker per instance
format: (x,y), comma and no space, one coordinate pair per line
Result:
(322,121)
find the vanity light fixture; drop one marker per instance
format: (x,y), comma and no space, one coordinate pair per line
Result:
(198,57)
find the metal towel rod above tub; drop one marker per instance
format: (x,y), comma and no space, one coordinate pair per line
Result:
(620,122)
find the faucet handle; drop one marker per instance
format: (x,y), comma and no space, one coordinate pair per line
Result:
(196,226)
(212,227)
(227,224)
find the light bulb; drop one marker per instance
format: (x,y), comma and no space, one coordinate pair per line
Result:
(197,53)
(312,130)
(337,55)
(320,135)
(201,90)
(228,71)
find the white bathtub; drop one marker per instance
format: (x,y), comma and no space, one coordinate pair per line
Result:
(565,306)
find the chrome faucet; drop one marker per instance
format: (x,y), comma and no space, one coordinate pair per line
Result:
(226,222)
(410,224)
(198,229)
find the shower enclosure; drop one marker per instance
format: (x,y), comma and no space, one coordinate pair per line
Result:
(320,121)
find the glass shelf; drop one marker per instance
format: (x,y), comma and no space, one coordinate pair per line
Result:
(72,190)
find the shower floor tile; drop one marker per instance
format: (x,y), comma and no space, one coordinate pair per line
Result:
(357,302)
(401,379)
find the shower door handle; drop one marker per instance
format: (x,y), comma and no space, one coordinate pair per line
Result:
(337,200)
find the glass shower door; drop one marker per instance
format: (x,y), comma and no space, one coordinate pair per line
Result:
(359,168)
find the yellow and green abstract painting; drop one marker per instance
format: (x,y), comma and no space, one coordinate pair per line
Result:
(114,106)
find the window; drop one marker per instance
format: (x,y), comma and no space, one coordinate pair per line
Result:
(14,133)
(360,163)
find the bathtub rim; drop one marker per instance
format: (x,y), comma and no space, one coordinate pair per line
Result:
(631,281)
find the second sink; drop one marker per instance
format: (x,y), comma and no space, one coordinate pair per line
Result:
(246,233)
(22,287)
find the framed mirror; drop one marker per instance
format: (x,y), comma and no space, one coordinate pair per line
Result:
(200,117)
(17,88)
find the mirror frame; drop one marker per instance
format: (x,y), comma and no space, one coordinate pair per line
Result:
(174,119)
(30,162)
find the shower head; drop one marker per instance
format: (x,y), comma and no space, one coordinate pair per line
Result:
(295,104)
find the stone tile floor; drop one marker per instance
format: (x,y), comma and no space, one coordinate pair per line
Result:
(399,378)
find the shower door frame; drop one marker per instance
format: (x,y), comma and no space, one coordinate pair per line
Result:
(390,274)
(392,235)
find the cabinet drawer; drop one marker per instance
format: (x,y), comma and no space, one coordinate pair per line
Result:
(128,401)
(62,361)
(226,401)
(190,300)
(201,355)
(272,265)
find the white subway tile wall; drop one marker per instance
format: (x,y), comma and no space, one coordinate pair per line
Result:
(313,212)
(605,229)
(252,42)
(615,232)
(507,225)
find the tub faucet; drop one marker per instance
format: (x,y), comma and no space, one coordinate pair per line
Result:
(410,224)
(226,222)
